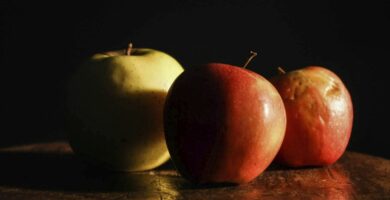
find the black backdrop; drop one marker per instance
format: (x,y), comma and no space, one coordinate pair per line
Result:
(42,43)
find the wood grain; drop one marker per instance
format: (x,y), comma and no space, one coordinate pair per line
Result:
(51,171)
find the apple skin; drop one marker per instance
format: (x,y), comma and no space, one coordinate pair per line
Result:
(223,124)
(319,117)
(115,109)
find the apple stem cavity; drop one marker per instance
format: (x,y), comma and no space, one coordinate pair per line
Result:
(253,54)
(281,71)
(128,49)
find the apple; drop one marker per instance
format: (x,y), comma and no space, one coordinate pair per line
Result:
(115,105)
(223,124)
(319,116)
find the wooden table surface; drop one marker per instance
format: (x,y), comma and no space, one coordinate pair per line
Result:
(50,171)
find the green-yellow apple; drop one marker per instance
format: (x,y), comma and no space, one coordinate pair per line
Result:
(319,116)
(115,104)
(223,124)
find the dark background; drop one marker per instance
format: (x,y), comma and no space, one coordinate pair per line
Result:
(43,43)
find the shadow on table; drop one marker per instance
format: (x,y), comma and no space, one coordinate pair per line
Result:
(65,172)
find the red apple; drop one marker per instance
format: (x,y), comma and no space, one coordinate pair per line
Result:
(319,117)
(223,124)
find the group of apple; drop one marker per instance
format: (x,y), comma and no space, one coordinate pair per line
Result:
(133,109)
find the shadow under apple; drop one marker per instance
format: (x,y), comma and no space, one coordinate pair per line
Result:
(65,172)
(60,170)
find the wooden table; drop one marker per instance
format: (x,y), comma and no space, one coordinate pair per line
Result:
(50,171)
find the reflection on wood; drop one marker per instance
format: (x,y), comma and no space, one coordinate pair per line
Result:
(50,171)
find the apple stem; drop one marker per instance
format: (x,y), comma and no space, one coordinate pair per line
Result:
(253,54)
(281,71)
(128,49)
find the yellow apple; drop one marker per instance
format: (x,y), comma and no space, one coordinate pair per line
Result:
(115,108)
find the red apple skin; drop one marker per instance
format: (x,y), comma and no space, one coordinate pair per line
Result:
(319,117)
(223,124)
